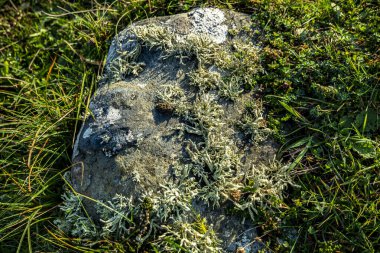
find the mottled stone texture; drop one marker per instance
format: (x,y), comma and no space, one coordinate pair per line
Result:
(127,144)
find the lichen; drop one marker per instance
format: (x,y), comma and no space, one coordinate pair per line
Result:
(213,171)
(124,64)
(117,218)
(253,123)
(186,237)
(264,185)
(75,221)
(222,72)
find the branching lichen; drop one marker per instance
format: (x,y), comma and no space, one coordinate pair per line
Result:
(223,71)
(173,201)
(186,237)
(125,63)
(264,186)
(253,123)
(212,170)
(117,218)
(238,60)
(75,220)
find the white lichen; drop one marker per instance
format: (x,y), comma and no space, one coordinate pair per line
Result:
(215,161)
(185,237)
(113,115)
(209,22)
(75,221)
(213,171)
(116,218)
(87,133)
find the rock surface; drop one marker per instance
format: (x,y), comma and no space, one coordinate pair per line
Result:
(135,136)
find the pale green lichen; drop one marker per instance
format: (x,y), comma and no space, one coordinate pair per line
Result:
(186,237)
(213,171)
(170,212)
(264,186)
(125,64)
(237,61)
(75,221)
(172,44)
(173,201)
(224,69)
(215,160)
(253,123)
(117,219)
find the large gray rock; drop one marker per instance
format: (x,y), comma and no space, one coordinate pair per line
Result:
(171,111)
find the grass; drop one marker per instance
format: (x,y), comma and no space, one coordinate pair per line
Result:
(320,88)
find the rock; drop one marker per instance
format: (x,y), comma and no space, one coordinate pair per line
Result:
(170,116)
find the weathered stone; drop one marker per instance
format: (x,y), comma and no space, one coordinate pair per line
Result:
(132,141)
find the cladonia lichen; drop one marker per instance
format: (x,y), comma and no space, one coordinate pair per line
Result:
(222,73)
(122,217)
(213,170)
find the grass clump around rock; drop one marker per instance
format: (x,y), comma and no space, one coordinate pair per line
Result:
(316,78)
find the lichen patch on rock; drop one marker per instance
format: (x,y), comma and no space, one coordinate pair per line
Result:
(173,125)
(209,22)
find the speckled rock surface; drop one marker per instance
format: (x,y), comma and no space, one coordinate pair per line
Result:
(128,142)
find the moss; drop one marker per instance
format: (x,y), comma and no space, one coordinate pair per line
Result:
(147,204)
